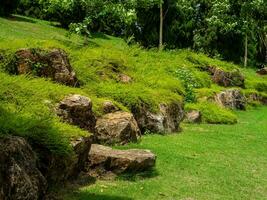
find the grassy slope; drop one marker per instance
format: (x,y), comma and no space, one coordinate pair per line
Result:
(225,162)
(207,162)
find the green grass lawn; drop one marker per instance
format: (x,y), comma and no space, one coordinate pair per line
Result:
(204,162)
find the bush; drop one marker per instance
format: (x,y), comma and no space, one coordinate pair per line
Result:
(213,114)
(8,6)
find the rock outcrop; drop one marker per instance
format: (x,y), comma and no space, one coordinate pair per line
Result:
(227,79)
(77,110)
(20,178)
(193,116)
(58,169)
(167,120)
(116,128)
(232,98)
(52,64)
(109,107)
(262,71)
(103,160)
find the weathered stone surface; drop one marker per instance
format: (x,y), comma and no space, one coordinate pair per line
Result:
(58,169)
(167,120)
(262,71)
(123,78)
(20,178)
(105,159)
(77,110)
(52,64)
(193,116)
(232,98)
(256,97)
(109,107)
(227,79)
(119,127)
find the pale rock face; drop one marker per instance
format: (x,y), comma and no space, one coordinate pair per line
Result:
(193,116)
(232,98)
(104,160)
(117,128)
(167,120)
(77,110)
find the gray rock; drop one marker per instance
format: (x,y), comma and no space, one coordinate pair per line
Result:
(117,128)
(232,98)
(167,120)
(77,110)
(103,160)
(20,178)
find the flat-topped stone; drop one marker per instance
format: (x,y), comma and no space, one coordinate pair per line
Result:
(104,159)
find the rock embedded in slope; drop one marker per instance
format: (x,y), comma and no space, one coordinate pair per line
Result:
(116,128)
(167,120)
(104,159)
(109,107)
(52,64)
(232,98)
(227,78)
(58,169)
(77,110)
(193,116)
(19,175)
(262,71)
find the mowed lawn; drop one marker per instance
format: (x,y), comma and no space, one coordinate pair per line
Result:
(203,162)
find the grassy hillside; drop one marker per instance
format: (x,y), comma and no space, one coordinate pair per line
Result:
(157,77)
(206,162)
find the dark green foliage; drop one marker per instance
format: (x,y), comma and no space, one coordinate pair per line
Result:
(7,7)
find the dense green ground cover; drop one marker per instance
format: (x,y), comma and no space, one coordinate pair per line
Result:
(204,162)
(27,102)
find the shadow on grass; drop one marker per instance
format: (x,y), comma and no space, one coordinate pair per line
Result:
(138,176)
(19,18)
(100,36)
(85,195)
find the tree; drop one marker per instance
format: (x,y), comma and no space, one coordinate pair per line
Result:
(8,6)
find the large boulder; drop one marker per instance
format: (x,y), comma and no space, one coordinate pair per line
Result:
(58,169)
(227,78)
(77,110)
(262,71)
(167,120)
(52,64)
(20,178)
(193,116)
(232,98)
(103,160)
(117,128)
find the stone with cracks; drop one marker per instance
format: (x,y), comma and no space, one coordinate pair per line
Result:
(227,79)
(52,64)
(232,98)
(117,128)
(167,120)
(77,110)
(193,116)
(20,178)
(103,160)
(109,107)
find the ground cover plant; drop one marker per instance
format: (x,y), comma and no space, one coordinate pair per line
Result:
(206,161)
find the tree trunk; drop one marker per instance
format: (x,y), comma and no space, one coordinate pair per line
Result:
(161,28)
(246,51)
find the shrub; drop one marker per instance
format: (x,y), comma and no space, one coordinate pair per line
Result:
(8,6)
(213,114)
